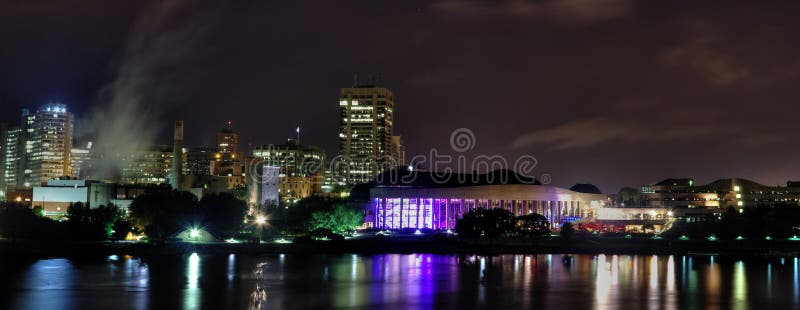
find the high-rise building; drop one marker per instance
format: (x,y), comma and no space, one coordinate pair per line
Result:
(48,144)
(81,161)
(365,132)
(300,167)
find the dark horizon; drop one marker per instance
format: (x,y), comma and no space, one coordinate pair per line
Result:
(613,92)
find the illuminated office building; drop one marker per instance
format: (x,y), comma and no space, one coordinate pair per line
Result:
(365,132)
(48,145)
(300,167)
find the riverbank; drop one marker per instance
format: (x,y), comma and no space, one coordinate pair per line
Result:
(551,245)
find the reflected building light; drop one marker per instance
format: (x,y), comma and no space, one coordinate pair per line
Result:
(231,262)
(602,282)
(739,286)
(191,298)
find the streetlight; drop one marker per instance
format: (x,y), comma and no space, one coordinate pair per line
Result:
(260,220)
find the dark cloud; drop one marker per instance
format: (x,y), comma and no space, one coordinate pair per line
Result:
(578,11)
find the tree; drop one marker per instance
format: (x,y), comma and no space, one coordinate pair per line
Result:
(531,225)
(240,192)
(342,219)
(162,211)
(491,223)
(567,230)
(222,214)
(121,229)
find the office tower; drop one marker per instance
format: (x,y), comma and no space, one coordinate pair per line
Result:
(365,132)
(300,167)
(81,161)
(152,165)
(48,143)
(200,161)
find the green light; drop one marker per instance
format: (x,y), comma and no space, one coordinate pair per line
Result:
(768,238)
(683,237)
(656,237)
(194,233)
(794,238)
(712,238)
(628,236)
(739,238)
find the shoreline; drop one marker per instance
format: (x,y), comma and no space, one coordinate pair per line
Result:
(730,248)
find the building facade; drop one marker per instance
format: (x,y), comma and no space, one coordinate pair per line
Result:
(49,144)
(300,167)
(12,152)
(149,166)
(687,197)
(422,200)
(55,196)
(365,132)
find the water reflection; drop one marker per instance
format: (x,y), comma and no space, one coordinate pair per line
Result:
(400,281)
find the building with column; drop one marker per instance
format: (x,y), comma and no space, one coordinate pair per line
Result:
(365,132)
(424,200)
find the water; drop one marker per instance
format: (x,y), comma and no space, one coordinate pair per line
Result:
(395,281)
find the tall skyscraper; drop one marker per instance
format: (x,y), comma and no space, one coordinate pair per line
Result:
(48,145)
(365,132)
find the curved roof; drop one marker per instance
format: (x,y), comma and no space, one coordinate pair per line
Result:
(585,188)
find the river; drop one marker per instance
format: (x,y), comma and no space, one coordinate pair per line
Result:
(399,281)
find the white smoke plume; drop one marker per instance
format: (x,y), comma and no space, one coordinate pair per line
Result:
(147,80)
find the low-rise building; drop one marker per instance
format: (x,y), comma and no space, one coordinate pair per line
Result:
(57,195)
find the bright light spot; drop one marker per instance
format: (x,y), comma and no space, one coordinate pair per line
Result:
(794,238)
(194,233)
(410,168)
(737,188)
(684,237)
(739,238)
(669,213)
(739,203)
(768,238)
(417,232)
(712,238)
(113,258)
(284,241)
(260,220)
(231,240)
(741,210)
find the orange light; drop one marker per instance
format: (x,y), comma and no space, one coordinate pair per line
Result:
(19,198)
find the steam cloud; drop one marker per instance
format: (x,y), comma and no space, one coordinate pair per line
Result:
(147,80)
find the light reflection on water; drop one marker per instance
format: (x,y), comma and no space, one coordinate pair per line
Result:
(401,281)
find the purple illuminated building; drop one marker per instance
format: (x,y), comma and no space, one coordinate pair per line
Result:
(417,200)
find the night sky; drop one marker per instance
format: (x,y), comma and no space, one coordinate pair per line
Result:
(611,92)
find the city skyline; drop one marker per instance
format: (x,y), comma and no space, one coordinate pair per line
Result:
(703,93)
